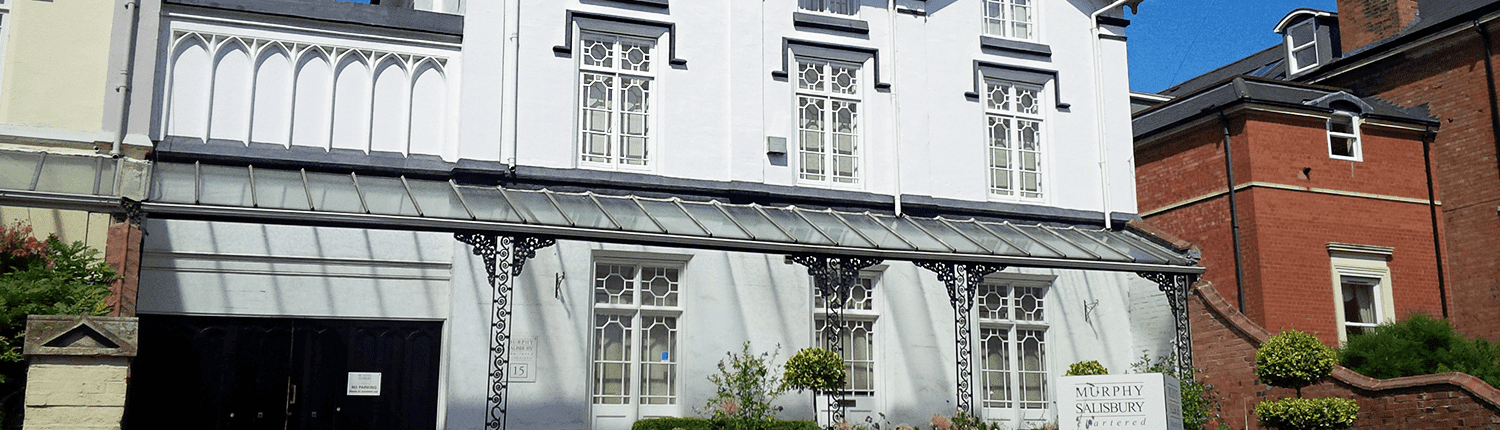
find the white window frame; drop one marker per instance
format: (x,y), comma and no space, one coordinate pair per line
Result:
(1356,147)
(839,8)
(1007,111)
(635,406)
(614,158)
(1014,412)
(1292,48)
(999,21)
(826,93)
(1365,264)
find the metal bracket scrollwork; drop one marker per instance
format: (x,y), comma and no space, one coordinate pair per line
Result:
(962,281)
(1176,286)
(504,257)
(834,277)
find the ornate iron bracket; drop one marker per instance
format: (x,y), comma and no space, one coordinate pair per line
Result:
(504,257)
(834,277)
(1176,286)
(962,280)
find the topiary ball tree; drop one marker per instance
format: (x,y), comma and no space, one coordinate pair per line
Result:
(1294,359)
(815,369)
(1091,367)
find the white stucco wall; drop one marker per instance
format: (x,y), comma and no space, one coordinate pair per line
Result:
(714,115)
(217,268)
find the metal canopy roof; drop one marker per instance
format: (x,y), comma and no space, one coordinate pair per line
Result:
(247,193)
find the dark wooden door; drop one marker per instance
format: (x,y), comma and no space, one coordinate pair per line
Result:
(282,373)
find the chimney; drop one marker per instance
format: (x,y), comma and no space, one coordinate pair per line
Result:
(1362,22)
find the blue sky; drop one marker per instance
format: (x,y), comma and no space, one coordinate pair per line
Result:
(1174,40)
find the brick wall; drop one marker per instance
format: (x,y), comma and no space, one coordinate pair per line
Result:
(1224,343)
(1284,232)
(75,392)
(1449,76)
(1362,22)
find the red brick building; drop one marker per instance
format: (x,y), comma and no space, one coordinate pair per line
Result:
(1439,54)
(1334,211)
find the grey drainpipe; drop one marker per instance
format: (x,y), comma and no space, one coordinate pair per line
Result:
(1437,244)
(1489,80)
(129,75)
(1234,218)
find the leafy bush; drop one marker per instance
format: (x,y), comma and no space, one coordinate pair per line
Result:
(41,277)
(1200,403)
(814,369)
(1091,367)
(1294,359)
(747,384)
(45,277)
(1307,414)
(1418,346)
(708,424)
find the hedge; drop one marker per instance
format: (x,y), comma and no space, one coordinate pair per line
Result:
(707,424)
(1308,414)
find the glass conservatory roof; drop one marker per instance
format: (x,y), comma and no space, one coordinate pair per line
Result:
(246,193)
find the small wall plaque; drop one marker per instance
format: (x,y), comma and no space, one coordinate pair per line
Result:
(363,384)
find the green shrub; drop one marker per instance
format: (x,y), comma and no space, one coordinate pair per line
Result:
(1420,345)
(746,385)
(1091,367)
(1307,414)
(1294,359)
(1200,403)
(708,424)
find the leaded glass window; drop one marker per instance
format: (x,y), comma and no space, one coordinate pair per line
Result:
(636,311)
(1013,120)
(1013,346)
(615,98)
(857,336)
(840,7)
(828,136)
(1010,18)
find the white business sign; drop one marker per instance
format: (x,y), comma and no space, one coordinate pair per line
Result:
(522,360)
(363,384)
(1146,401)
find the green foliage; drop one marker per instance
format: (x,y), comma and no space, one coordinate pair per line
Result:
(814,369)
(1418,346)
(45,277)
(1091,367)
(708,424)
(1200,403)
(746,385)
(1307,414)
(1294,359)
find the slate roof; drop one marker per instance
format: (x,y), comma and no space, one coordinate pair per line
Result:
(1243,89)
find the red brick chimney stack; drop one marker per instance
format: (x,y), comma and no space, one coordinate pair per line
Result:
(1362,22)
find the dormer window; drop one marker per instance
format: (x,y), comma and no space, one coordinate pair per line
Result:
(1311,38)
(1343,136)
(1302,46)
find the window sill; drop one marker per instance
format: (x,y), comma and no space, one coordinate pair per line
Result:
(1014,46)
(803,19)
(653,3)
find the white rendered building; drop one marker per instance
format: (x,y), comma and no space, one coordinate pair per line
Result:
(562,213)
